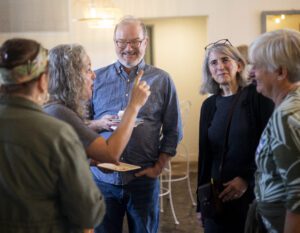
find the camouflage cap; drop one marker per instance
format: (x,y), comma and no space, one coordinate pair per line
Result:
(25,72)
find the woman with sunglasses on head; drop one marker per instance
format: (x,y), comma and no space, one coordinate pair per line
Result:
(231,122)
(45,182)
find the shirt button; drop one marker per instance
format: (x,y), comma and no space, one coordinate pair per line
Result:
(126,94)
(128,80)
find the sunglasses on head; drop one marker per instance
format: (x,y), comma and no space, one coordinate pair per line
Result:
(218,42)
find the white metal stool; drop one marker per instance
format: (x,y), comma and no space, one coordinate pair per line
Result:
(166,189)
(167,178)
(182,149)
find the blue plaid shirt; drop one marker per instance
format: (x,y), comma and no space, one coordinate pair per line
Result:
(161,130)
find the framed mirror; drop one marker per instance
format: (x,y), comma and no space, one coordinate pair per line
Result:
(273,20)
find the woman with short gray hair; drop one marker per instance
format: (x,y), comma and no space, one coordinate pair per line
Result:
(275,57)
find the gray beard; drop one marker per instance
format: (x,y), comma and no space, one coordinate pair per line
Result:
(129,65)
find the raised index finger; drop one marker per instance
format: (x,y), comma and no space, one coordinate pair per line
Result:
(138,77)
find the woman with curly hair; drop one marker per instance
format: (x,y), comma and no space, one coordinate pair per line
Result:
(70,87)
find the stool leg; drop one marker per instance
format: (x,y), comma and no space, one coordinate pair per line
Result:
(170,194)
(188,174)
(161,194)
(167,190)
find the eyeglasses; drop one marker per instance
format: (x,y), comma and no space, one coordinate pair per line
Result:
(218,42)
(122,44)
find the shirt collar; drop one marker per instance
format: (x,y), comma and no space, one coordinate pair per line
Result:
(119,67)
(20,102)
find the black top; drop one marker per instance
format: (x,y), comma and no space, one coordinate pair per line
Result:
(217,131)
(249,118)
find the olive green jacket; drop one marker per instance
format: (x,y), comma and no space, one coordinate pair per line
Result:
(45,182)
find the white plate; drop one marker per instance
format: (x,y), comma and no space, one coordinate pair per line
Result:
(138,121)
(122,167)
(118,120)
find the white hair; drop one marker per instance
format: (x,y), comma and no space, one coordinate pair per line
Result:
(278,49)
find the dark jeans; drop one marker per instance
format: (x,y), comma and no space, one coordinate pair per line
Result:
(139,200)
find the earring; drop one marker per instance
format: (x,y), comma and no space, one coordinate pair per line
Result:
(279,78)
(42,99)
(46,97)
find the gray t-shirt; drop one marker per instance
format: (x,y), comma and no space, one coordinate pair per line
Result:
(60,111)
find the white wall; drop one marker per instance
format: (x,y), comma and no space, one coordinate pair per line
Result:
(178,48)
(238,20)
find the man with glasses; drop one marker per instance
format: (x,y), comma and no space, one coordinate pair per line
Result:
(152,144)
